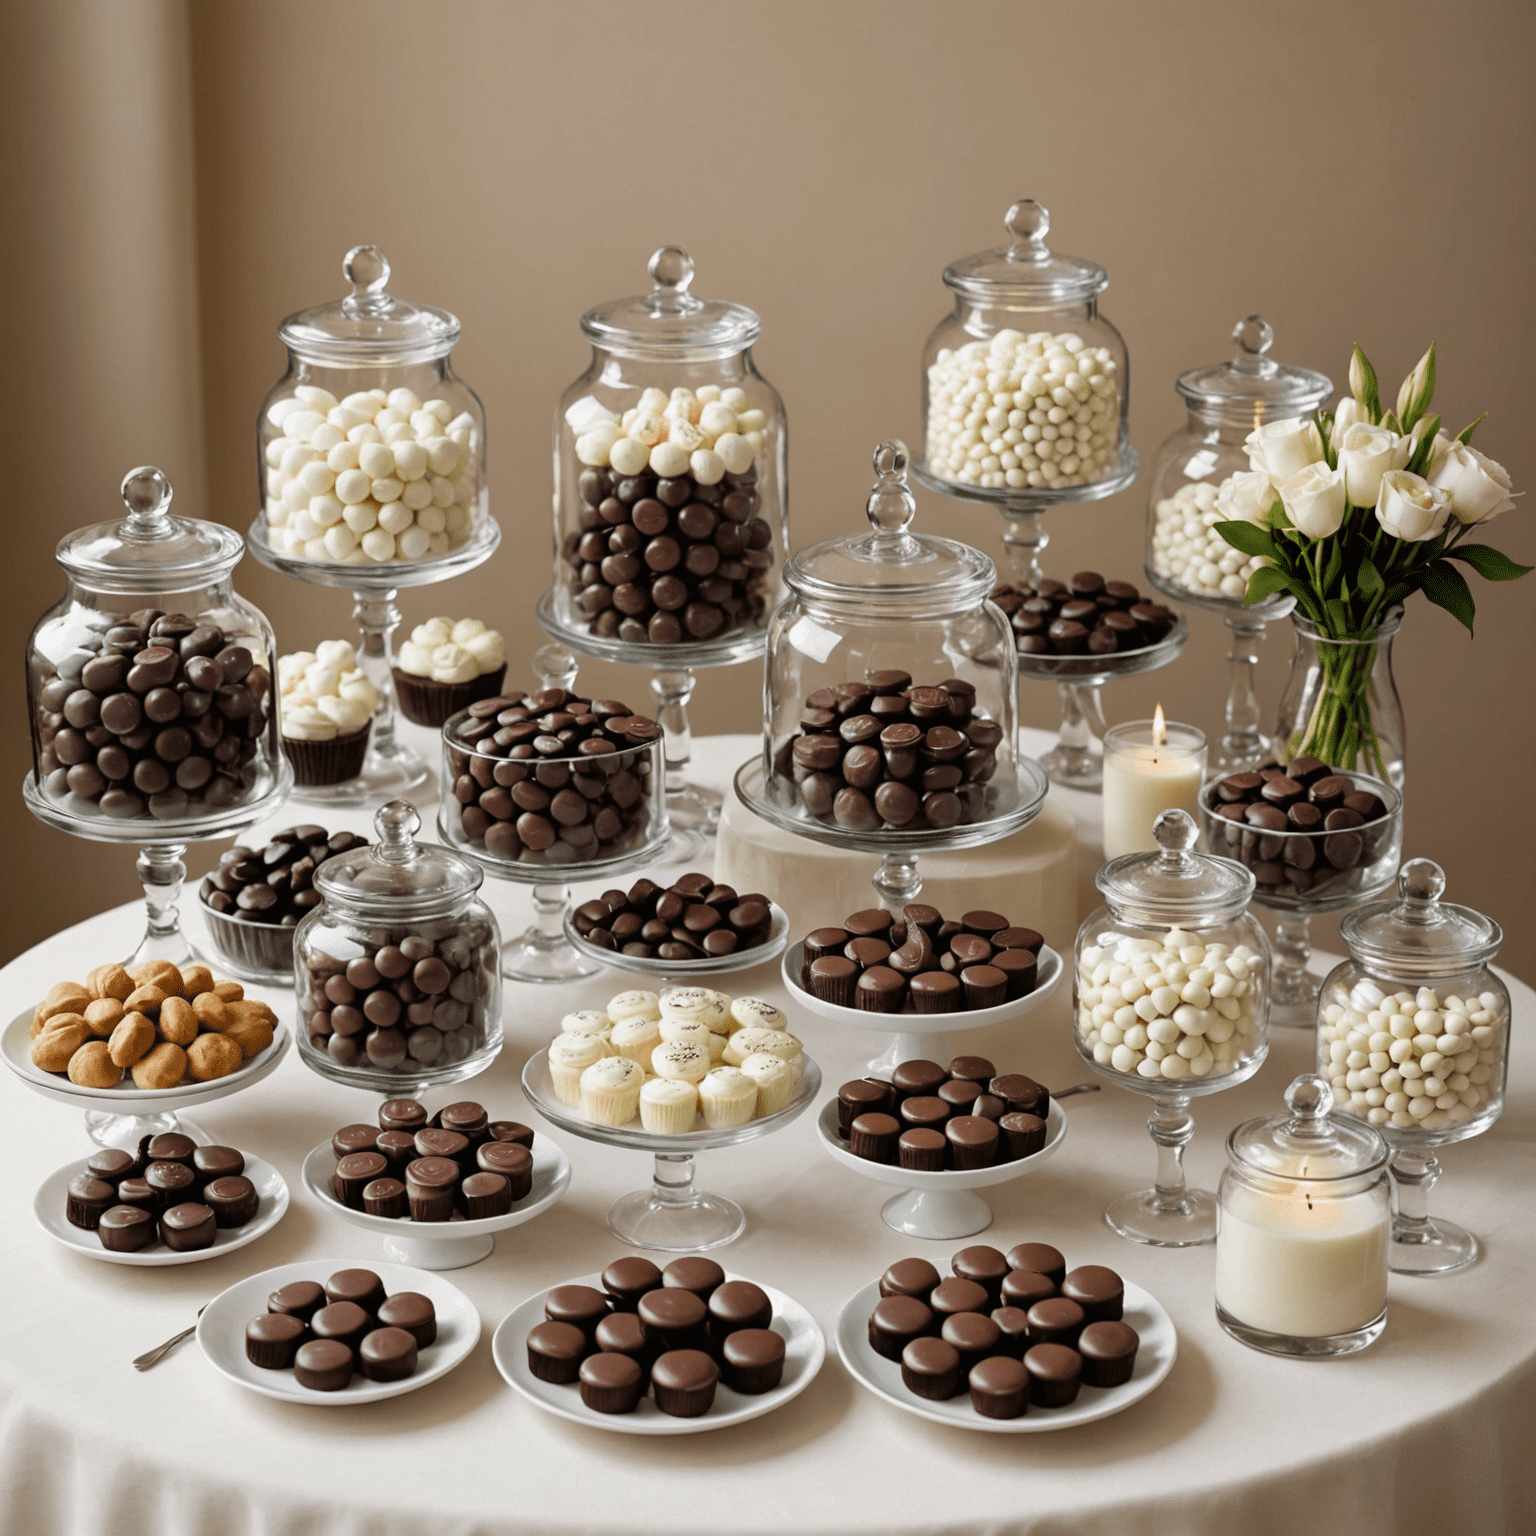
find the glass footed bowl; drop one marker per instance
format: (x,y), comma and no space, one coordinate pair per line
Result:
(1078,669)
(711,965)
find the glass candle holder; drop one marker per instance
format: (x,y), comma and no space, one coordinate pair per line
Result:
(1150,766)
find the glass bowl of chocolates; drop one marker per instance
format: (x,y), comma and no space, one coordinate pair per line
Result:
(396,970)
(256,897)
(1087,626)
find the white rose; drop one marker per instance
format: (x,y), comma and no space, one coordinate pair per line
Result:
(1410,508)
(1478,486)
(1315,500)
(1348,412)
(1246,497)
(1281,448)
(1366,453)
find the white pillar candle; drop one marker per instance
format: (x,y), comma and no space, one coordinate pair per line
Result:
(1149,768)
(1302,1264)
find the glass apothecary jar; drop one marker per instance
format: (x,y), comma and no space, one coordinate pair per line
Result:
(396,972)
(149,683)
(891,680)
(1025,383)
(1171,999)
(1301,1261)
(371,450)
(1413,1036)
(671,504)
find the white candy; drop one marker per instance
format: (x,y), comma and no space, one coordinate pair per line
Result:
(669,460)
(628,456)
(1190,553)
(378,545)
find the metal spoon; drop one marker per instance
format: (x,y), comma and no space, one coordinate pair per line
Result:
(1066,1093)
(160,1351)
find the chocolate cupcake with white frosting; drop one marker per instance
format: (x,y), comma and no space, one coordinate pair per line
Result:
(446,666)
(325,709)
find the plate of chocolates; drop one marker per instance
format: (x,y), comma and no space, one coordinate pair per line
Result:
(1088,626)
(650,1351)
(694,926)
(1011,1343)
(169,1201)
(1311,835)
(436,1187)
(334,1334)
(875,971)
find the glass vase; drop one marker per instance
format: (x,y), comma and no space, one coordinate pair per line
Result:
(1341,704)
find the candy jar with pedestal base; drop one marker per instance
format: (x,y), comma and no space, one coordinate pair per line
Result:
(1413,1034)
(544,814)
(1186,559)
(150,692)
(1025,406)
(372,462)
(1172,1000)
(671,502)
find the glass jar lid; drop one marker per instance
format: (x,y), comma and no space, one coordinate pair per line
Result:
(1176,884)
(149,550)
(1308,1143)
(397,874)
(1418,934)
(892,572)
(1251,382)
(369,328)
(1026,271)
(669,323)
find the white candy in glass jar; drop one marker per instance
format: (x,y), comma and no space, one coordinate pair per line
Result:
(1414,1059)
(1187,549)
(373,478)
(1024,410)
(1170,1008)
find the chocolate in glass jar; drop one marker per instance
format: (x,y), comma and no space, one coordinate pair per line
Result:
(886,754)
(694,918)
(551,778)
(152,714)
(1084,616)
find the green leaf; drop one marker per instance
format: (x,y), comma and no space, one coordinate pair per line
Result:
(1334,569)
(1391,423)
(1249,539)
(1265,582)
(1420,461)
(1369,579)
(1447,588)
(1465,435)
(1488,562)
(1324,424)
(1338,616)
(1278,517)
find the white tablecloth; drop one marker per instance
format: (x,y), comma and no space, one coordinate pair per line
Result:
(1428,1431)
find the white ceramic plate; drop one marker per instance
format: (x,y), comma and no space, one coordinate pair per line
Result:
(944,1178)
(48,1208)
(1154,1359)
(711,965)
(804,1351)
(221,1331)
(124,1098)
(1048,975)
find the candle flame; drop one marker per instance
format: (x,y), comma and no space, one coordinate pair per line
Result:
(1159,727)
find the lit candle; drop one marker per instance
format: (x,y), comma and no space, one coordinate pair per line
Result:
(1303,1263)
(1150,766)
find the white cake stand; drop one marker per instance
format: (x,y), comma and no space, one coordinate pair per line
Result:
(918,1036)
(444,1244)
(390,768)
(939,1205)
(120,1116)
(672,1216)
(687,970)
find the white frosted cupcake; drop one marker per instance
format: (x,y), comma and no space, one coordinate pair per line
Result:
(636,1038)
(685,1032)
(686,1062)
(587,1021)
(610,1090)
(633,1005)
(701,1005)
(728,1097)
(775,1080)
(668,1106)
(755,1013)
(569,1056)
(747,1042)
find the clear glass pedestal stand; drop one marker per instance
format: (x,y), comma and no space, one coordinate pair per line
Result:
(162,846)
(391,768)
(1242,745)
(1422,1244)
(693,810)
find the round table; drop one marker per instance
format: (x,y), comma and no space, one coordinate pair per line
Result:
(1428,1431)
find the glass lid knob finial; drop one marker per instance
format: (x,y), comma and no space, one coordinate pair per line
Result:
(396,824)
(1421,883)
(1254,336)
(1028,223)
(367,269)
(671,269)
(891,505)
(146,492)
(1175,832)
(1310,1101)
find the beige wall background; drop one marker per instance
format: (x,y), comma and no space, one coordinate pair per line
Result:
(184,175)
